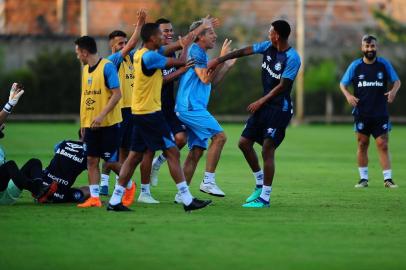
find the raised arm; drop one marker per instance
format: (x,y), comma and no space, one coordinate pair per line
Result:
(16,92)
(141,16)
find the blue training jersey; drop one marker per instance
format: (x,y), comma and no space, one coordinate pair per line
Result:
(277,65)
(193,94)
(370,82)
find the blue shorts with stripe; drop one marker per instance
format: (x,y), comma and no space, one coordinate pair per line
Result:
(150,131)
(200,127)
(375,126)
(102,142)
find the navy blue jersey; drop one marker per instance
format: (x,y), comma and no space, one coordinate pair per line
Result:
(168,91)
(67,164)
(370,82)
(277,65)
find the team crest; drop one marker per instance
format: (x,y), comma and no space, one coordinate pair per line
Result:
(385,126)
(89,80)
(278,66)
(380,75)
(360,126)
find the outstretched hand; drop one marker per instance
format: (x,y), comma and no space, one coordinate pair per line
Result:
(187,40)
(225,49)
(16,92)
(391,95)
(209,22)
(141,17)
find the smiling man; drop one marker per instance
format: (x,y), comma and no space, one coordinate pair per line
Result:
(370,77)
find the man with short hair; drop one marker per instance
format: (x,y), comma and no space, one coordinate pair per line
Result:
(271,113)
(375,84)
(122,58)
(151,132)
(99,113)
(191,108)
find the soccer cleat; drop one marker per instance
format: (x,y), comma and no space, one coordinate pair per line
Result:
(363,183)
(104,190)
(254,195)
(91,202)
(390,184)
(154,173)
(118,208)
(196,204)
(47,192)
(258,203)
(129,194)
(146,198)
(212,189)
(178,198)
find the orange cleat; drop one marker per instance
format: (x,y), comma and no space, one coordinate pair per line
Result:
(91,202)
(129,194)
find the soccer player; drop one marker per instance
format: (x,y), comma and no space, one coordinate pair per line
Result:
(271,113)
(99,113)
(121,57)
(375,84)
(191,108)
(54,183)
(151,132)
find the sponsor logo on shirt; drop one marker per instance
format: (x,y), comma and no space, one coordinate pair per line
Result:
(360,126)
(370,84)
(74,157)
(58,180)
(270,71)
(361,77)
(166,72)
(268,58)
(90,102)
(385,126)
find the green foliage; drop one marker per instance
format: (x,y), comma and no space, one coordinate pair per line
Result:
(51,82)
(321,76)
(390,29)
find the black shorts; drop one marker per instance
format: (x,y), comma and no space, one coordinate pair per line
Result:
(102,142)
(126,128)
(375,126)
(268,122)
(70,195)
(174,123)
(150,131)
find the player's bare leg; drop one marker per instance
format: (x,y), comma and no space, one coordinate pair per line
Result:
(146,165)
(362,158)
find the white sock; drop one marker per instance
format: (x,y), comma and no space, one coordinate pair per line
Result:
(94,190)
(117,195)
(145,188)
(387,174)
(104,179)
(117,177)
(184,193)
(266,193)
(209,177)
(129,184)
(159,161)
(363,172)
(259,178)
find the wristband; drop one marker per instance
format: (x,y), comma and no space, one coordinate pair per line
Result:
(8,107)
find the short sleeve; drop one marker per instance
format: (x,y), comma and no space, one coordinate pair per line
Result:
(198,54)
(153,60)
(393,76)
(292,67)
(349,74)
(261,47)
(116,59)
(111,76)
(57,146)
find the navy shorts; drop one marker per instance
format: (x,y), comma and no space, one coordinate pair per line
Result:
(375,126)
(267,122)
(70,195)
(126,128)
(102,142)
(150,131)
(174,123)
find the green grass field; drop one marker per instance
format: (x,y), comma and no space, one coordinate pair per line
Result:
(317,219)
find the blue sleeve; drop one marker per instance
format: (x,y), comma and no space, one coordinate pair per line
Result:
(292,67)
(393,76)
(57,146)
(153,60)
(261,47)
(116,59)
(161,50)
(349,74)
(200,57)
(111,76)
